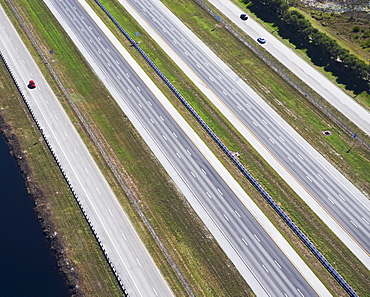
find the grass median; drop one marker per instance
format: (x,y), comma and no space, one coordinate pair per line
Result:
(204,265)
(304,117)
(101,114)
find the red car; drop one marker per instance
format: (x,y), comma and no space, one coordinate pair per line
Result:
(31,84)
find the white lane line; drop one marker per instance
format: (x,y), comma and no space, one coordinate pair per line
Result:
(257,237)
(118,77)
(151,121)
(255,124)
(150,103)
(164,137)
(226,217)
(278,265)
(75,151)
(237,214)
(123,235)
(353,223)
(110,212)
(265,268)
(309,178)
(204,171)
(300,156)
(331,200)
(161,118)
(282,139)
(290,159)
(192,173)
(178,155)
(249,106)
(246,243)
(174,134)
(140,105)
(138,262)
(86,170)
(365,221)
(300,292)
(264,122)
(272,141)
(341,197)
(239,107)
(209,195)
(188,151)
(97,190)
(233,91)
(220,192)
(320,176)
(155,292)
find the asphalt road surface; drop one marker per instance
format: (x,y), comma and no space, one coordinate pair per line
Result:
(123,246)
(336,200)
(258,255)
(313,78)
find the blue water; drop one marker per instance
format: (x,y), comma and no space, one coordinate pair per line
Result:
(27,266)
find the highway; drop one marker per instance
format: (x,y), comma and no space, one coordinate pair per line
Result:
(336,201)
(313,78)
(130,258)
(244,233)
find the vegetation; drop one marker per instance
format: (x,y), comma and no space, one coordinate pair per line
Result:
(294,26)
(289,103)
(171,216)
(199,258)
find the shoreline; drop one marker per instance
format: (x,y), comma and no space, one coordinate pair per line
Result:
(44,214)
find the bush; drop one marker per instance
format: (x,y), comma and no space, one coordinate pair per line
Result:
(356,29)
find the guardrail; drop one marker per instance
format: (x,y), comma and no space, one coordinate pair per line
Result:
(62,171)
(244,171)
(283,74)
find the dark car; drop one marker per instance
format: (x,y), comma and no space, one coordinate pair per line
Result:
(31,84)
(261,40)
(244,17)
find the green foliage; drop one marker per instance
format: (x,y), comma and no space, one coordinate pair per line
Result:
(366,34)
(366,44)
(329,47)
(356,29)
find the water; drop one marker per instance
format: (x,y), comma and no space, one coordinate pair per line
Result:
(27,266)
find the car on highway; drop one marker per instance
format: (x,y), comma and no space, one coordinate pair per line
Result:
(244,17)
(261,40)
(31,84)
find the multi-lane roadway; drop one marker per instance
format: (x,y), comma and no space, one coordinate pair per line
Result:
(339,204)
(313,78)
(231,216)
(123,246)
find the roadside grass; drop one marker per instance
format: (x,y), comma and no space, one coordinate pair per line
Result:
(53,198)
(205,266)
(278,92)
(153,205)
